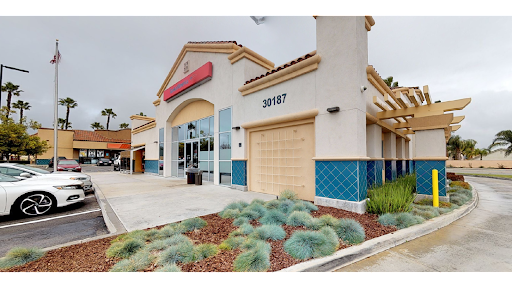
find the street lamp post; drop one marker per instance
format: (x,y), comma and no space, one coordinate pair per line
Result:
(1,72)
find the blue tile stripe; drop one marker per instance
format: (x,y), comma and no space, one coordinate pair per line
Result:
(151,166)
(343,180)
(399,168)
(390,166)
(424,176)
(239,172)
(374,173)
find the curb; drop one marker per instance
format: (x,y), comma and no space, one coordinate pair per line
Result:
(113,223)
(374,246)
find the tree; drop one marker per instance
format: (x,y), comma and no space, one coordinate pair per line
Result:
(503,138)
(109,113)
(21,105)
(389,82)
(124,125)
(141,114)
(70,104)
(61,122)
(34,146)
(97,126)
(34,125)
(11,90)
(454,147)
(481,152)
(468,148)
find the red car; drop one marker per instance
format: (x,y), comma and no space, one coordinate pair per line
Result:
(68,165)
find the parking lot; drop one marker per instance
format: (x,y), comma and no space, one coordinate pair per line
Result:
(87,168)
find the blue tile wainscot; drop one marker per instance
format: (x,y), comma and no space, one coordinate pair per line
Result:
(239,172)
(341,184)
(151,166)
(374,173)
(390,166)
(424,177)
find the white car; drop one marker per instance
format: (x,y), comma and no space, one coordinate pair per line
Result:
(33,197)
(21,171)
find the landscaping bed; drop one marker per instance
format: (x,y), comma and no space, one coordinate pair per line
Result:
(91,256)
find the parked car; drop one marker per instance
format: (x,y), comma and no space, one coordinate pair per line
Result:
(33,197)
(104,161)
(68,165)
(50,165)
(21,171)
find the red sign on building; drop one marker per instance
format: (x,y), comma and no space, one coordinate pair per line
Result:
(196,78)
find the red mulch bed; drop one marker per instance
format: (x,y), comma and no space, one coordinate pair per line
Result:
(90,256)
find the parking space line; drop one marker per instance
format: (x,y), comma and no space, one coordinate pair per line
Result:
(48,219)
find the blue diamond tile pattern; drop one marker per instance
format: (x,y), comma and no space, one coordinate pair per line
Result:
(413,166)
(399,168)
(239,172)
(410,167)
(390,166)
(343,180)
(374,173)
(406,167)
(424,176)
(42,161)
(151,166)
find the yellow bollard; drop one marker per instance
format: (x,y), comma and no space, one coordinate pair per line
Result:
(435,189)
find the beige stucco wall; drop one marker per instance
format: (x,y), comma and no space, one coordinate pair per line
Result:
(194,111)
(89,145)
(400,148)
(430,143)
(148,138)
(496,155)
(374,141)
(389,145)
(124,134)
(65,140)
(479,163)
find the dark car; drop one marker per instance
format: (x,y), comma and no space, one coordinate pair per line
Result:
(104,161)
(50,165)
(68,165)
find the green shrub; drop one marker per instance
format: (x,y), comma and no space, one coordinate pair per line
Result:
(251,243)
(193,224)
(258,201)
(182,252)
(309,244)
(249,214)
(125,249)
(272,232)
(350,231)
(387,219)
(256,259)
(138,262)
(288,194)
(273,217)
(169,268)
(299,218)
(171,230)
(231,243)
(203,251)
(404,220)
(392,197)
(331,235)
(19,256)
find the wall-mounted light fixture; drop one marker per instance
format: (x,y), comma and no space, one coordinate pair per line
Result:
(236,128)
(333,109)
(155,142)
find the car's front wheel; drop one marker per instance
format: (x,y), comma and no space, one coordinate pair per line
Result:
(34,204)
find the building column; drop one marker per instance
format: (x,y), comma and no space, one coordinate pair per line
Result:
(390,156)
(400,154)
(374,150)
(430,148)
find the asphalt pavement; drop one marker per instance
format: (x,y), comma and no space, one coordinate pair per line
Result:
(480,171)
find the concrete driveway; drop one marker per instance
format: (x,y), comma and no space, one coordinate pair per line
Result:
(480,241)
(142,201)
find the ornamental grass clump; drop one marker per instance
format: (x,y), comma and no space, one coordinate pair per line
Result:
(170,241)
(136,234)
(138,262)
(19,256)
(265,232)
(392,197)
(182,253)
(350,231)
(124,249)
(426,212)
(329,220)
(286,206)
(310,206)
(152,234)
(229,213)
(272,204)
(258,208)
(387,219)
(256,259)
(232,243)
(299,206)
(170,230)
(251,243)
(203,251)
(258,201)
(299,218)
(400,220)
(240,220)
(169,268)
(244,229)
(273,217)
(309,244)
(193,224)
(249,214)
(240,205)
(331,235)
(288,194)
(461,184)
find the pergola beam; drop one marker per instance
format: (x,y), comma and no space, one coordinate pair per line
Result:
(426,93)
(455,127)
(456,120)
(425,110)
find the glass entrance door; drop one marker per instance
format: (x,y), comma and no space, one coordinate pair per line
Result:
(192,154)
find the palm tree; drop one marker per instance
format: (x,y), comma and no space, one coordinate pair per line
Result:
(141,114)
(62,122)
(97,126)
(20,104)
(503,138)
(481,152)
(389,82)
(454,147)
(468,148)
(124,125)
(69,103)
(109,113)
(11,90)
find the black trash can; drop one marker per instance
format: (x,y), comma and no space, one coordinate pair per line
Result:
(199,178)
(190,178)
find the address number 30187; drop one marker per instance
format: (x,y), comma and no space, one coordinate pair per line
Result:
(274,100)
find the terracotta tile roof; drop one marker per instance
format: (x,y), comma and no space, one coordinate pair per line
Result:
(84,135)
(214,42)
(284,66)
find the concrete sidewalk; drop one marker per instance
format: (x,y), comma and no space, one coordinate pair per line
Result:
(142,201)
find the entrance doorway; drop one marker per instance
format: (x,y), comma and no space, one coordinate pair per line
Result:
(192,154)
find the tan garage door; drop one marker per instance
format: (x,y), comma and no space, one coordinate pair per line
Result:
(281,158)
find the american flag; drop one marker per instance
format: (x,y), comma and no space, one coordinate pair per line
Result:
(55,58)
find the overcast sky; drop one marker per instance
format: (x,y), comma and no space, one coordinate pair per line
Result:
(121,62)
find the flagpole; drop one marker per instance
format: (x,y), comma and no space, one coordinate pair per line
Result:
(55,113)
